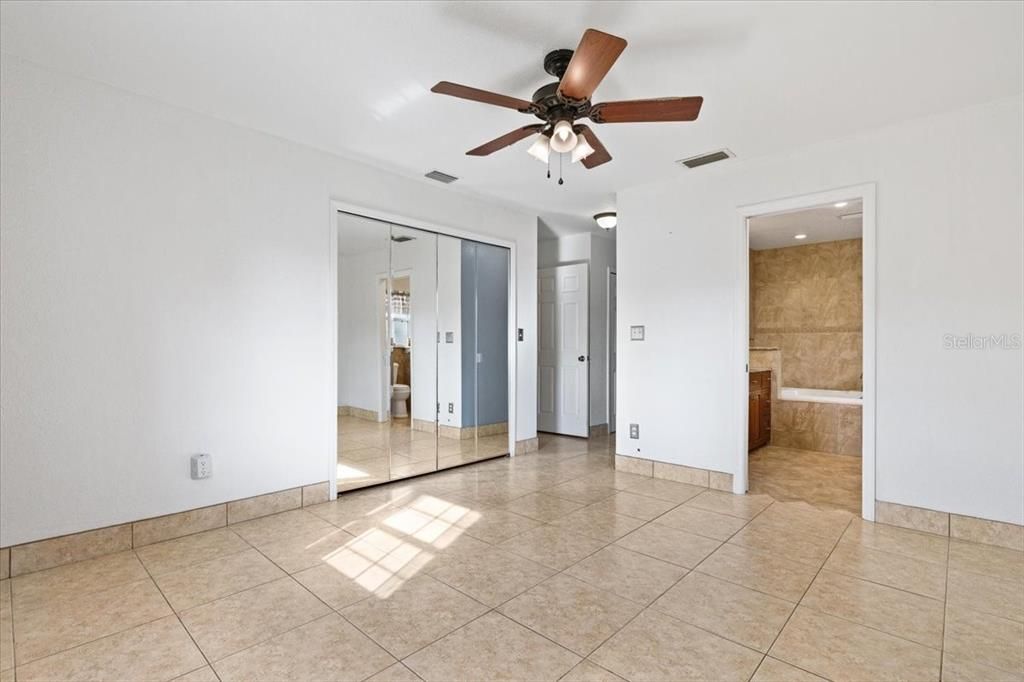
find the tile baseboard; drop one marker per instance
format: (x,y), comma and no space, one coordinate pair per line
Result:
(65,549)
(527,446)
(598,430)
(948,524)
(706,478)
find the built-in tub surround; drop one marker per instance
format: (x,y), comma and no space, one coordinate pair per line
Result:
(821,426)
(806,301)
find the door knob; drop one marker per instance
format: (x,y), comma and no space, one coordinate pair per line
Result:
(580,358)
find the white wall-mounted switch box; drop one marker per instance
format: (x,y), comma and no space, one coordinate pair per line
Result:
(202,466)
(636,332)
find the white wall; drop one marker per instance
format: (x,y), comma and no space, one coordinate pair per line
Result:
(165,283)
(361,332)
(599,254)
(573,248)
(449,305)
(949,220)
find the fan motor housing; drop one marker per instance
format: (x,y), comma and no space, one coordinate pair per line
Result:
(551,107)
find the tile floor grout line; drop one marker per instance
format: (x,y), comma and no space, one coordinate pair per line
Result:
(177,616)
(91,641)
(802,596)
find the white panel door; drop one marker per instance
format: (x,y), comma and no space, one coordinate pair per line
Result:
(563,379)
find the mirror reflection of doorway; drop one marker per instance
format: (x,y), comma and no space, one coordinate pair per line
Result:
(422,351)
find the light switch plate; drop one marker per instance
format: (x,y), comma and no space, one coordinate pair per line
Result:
(636,332)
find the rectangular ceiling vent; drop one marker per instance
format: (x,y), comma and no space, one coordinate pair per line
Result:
(705,159)
(441,177)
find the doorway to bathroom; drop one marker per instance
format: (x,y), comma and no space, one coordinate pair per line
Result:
(808,349)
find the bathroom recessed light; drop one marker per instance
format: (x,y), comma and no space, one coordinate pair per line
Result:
(799,236)
(841,204)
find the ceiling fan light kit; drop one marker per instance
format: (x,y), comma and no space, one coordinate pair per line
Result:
(561,104)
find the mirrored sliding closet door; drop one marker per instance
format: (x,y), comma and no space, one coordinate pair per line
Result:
(423,343)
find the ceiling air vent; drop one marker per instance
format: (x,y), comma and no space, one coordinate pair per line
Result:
(705,159)
(441,177)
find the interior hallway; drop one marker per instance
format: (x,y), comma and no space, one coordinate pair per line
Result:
(546,566)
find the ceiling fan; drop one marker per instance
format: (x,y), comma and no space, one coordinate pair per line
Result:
(561,104)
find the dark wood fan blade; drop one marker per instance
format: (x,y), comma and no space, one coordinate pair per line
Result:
(600,154)
(647,110)
(590,63)
(477,95)
(505,140)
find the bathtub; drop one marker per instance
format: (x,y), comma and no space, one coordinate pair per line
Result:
(822,395)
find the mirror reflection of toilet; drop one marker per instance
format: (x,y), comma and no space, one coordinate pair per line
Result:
(399,394)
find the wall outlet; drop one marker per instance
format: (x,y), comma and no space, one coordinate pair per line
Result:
(451,408)
(202,466)
(634,431)
(636,332)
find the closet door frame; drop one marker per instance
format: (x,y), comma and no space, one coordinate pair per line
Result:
(332,318)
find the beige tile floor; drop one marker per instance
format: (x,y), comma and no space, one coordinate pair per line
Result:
(544,567)
(820,478)
(371,452)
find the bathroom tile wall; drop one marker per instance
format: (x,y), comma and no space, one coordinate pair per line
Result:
(822,427)
(806,301)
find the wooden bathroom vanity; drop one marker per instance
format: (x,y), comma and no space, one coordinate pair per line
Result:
(759,414)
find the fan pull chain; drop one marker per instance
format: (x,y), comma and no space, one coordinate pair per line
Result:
(560,180)
(549,165)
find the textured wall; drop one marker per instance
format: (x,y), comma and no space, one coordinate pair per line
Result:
(806,300)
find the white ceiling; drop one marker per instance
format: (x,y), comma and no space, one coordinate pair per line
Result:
(820,224)
(353,77)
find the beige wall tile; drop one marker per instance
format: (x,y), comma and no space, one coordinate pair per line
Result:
(315,494)
(634,465)
(718,480)
(806,300)
(973,529)
(36,556)
(681,474)
(915,518)
(264,505)
(177,525)
(5,563)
